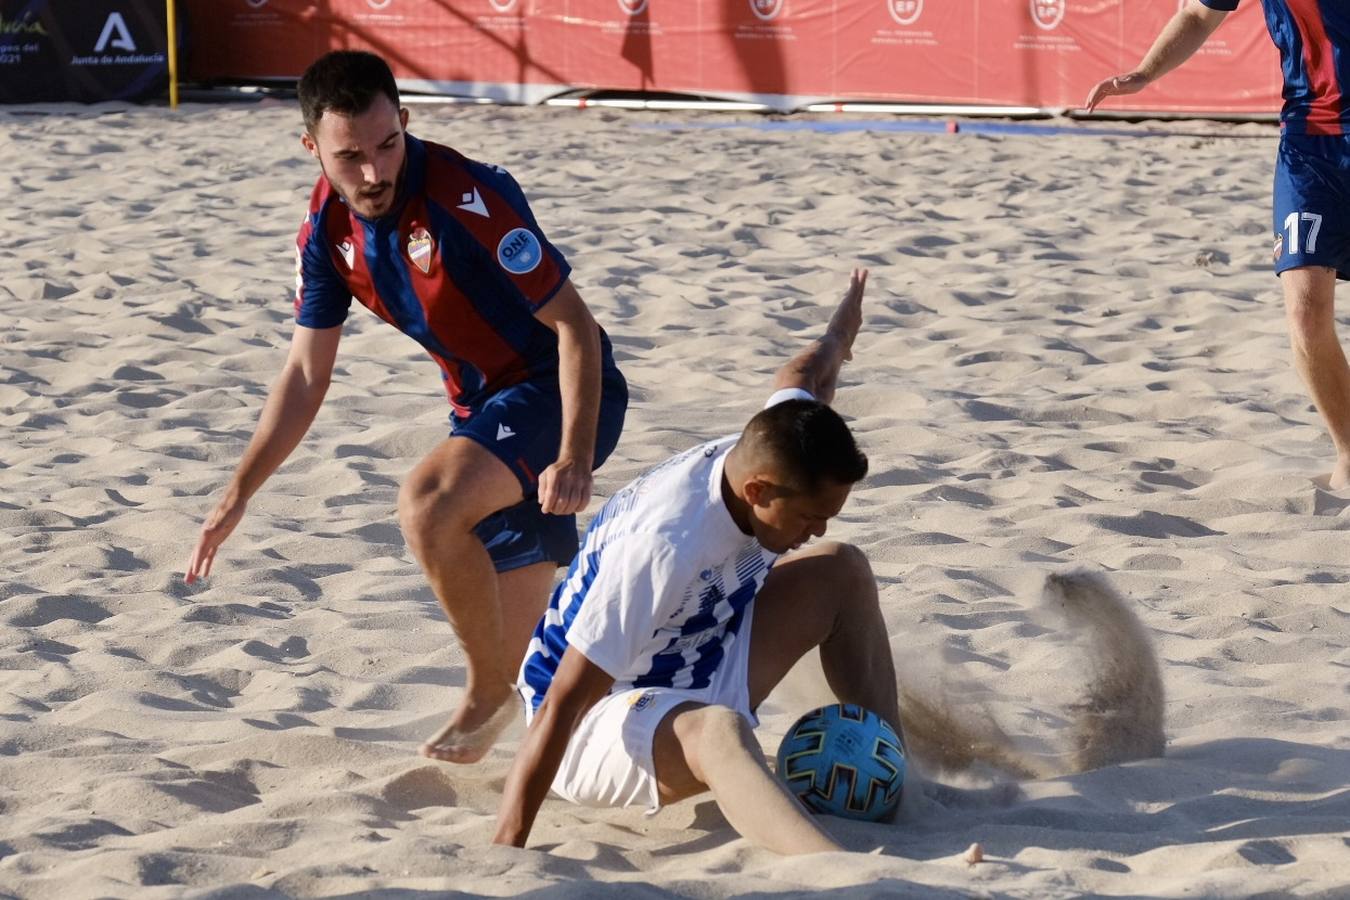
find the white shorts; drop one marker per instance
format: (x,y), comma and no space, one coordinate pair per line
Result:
(608,762)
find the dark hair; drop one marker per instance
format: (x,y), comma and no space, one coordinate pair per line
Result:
(346,82)
(808,441)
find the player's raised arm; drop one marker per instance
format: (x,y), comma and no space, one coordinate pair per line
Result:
(816,369)
(1183,34)
(291,405)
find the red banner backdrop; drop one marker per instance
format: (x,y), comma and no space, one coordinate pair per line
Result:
(1043,53)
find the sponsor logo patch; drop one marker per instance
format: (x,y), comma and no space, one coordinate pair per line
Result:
(348,252)
(472,201)
(641,701)
(519,251)
(688,642)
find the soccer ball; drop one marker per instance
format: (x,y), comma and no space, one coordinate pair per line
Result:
(843,760)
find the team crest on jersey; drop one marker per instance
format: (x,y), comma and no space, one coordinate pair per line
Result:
(419,248)
(641,701)
(1279,246)
(519,251)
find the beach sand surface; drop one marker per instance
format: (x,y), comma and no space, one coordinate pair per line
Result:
(1074,355)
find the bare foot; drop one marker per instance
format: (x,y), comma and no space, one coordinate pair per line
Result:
(472,730)
(1340,476)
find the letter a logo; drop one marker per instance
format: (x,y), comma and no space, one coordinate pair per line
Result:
(115,25)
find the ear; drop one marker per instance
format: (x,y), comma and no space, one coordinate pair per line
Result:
(759,490)
(307,142)
(403,118)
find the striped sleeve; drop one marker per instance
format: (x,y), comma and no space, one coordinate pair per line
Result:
(322,298)
(635,591)
(535,268)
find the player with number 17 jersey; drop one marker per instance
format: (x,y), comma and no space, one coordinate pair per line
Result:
(1312,170)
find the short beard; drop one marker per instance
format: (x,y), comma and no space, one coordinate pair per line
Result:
(351,202)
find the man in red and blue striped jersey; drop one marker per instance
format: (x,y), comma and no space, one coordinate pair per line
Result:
(446,250)
(1312,177)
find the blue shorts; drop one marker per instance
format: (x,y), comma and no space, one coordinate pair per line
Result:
(1312,203)
(522,426)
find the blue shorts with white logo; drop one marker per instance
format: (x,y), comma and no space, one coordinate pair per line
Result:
(522,426)
(1312,202)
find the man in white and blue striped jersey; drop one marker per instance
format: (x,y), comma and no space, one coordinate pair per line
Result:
(678,616)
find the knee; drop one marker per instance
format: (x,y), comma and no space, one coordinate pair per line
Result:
(849,567)
(425,502)
(1310,314)
(722,732)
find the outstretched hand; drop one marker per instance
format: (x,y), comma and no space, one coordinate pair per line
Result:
(215,530)
(847,318)
(816,369)
(1117,85)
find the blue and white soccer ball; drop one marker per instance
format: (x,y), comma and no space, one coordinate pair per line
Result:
(844,760)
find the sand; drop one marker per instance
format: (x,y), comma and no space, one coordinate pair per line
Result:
(1074,356)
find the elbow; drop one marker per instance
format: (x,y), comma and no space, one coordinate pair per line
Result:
(572,321)
(315,388)
(307,385)
(1201,17)
(563,712)
(583,334)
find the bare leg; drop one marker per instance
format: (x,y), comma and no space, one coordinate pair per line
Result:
(1309,295)
(824,596)
(524,597)
(448,493)
(702,748)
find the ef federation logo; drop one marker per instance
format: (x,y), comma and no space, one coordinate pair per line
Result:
(519,251)
(1047,14)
